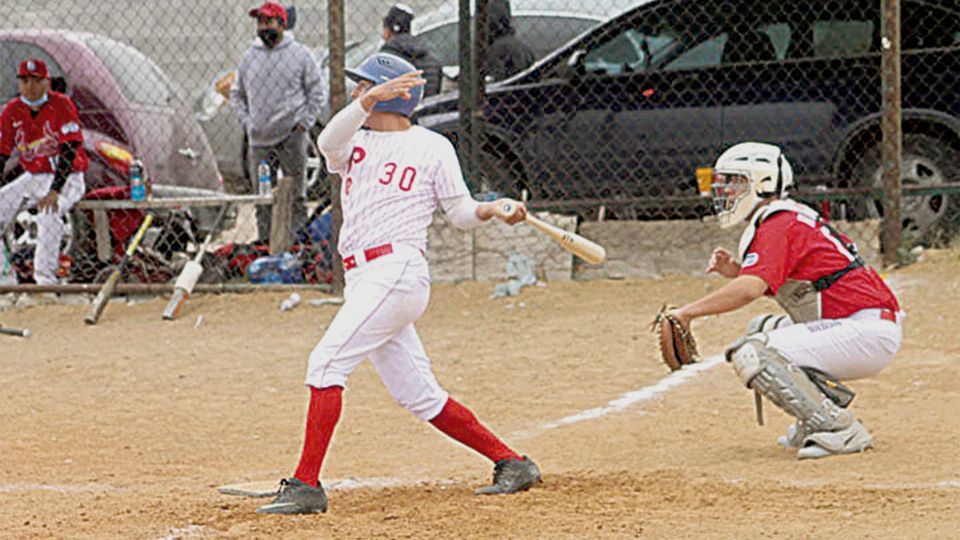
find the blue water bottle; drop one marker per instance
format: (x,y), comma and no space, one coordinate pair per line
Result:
(138,190)
(263,178)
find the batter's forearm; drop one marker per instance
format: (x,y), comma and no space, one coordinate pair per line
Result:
(734,295)
(463,211)
(334,140)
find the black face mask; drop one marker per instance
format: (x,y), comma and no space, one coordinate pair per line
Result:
(269,36)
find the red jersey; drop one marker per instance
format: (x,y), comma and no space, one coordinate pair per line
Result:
(37,139)
(790,245)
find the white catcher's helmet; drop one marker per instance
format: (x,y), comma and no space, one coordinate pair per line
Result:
(745,175)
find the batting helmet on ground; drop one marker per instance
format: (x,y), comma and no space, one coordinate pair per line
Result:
(380,68)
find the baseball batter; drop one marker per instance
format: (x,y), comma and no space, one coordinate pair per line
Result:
(394,175)
(44,129)
(842,321)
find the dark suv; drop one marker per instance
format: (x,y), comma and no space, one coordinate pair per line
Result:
(629,110)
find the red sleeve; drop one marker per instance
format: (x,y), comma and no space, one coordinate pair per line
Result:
(70,122)
(6,131)
(772,257)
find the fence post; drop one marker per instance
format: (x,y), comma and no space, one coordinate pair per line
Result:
(478,93)
(891,125)
(465,86)
(282,215)
(338,99)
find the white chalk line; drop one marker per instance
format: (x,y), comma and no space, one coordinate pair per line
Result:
(628,399)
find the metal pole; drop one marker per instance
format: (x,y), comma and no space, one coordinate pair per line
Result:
(892,145)
(465,86)
(338,99)
(477,124)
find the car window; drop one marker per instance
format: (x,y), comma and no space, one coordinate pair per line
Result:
(631,51)
(139,78)
(544,33)
(833,39)
(12,53)
(705,54)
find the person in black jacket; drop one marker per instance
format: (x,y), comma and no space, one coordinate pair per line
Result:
(399,41)
(506,54)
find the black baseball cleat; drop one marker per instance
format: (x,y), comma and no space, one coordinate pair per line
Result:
(296,497)
(511,476)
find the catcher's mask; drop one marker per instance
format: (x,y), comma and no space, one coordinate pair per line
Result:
(745,175)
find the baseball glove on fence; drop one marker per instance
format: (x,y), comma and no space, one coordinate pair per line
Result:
(677,345)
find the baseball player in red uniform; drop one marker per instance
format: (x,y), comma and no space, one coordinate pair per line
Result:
(42,126)
(394,177)
(842,321)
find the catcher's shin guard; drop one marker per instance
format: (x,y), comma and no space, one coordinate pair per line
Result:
(763,369)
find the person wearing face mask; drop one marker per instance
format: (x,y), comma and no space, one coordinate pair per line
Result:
(43,127)
(277,97)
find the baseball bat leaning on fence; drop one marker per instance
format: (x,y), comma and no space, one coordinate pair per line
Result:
(19,332)
(587,250)
(191,273)
(100,302)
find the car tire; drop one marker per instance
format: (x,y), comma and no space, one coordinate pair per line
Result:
(926,161)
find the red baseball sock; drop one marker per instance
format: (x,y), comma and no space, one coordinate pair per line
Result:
(322,418)
(457,422)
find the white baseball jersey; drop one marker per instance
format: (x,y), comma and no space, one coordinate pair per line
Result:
(391,186)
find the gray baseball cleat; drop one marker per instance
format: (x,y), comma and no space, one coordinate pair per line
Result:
(851,440)
(296,497)
(511,476)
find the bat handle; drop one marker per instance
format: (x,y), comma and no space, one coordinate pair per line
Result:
(507,209)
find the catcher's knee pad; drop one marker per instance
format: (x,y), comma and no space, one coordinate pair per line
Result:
(767,322)
(765,370)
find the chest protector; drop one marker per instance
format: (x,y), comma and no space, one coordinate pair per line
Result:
(801,299)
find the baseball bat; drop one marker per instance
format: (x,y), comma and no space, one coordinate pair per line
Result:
(19,332)
(190,274)
(100,302)
(587,250)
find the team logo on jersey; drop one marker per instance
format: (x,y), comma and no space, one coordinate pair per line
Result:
(750,260)
(69,127)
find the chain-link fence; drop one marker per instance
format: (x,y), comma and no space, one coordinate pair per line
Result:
(609,111)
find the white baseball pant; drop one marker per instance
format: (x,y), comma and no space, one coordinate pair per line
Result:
(382,300)
(853,348)
(34,187)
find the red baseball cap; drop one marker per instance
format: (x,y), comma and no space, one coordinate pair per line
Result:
(33,67)
(270,10)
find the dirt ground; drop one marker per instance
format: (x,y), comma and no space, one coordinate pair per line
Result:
(125,429)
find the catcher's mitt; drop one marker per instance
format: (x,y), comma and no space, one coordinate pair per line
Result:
(677,345)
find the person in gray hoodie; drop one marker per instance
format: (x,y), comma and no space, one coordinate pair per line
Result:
(277,97)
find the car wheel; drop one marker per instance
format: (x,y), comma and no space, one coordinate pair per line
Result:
(927,162)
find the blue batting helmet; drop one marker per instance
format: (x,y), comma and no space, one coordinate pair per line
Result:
(381,67)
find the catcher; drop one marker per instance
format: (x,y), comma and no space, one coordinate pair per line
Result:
(842,321)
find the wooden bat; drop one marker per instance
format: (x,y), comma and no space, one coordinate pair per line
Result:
(100,302)
(190,274)
(19,332)
(587,250)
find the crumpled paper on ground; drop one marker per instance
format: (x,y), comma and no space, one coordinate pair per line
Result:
(522,271)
